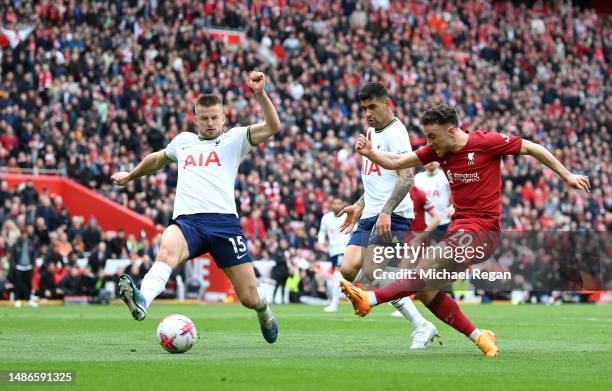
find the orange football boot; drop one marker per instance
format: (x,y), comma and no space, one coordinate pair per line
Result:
(358,297)
(486,343)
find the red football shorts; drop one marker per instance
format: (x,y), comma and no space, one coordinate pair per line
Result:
(472,240)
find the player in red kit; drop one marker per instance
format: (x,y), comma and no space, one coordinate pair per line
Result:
(419,230)
(472,164)
(439,303)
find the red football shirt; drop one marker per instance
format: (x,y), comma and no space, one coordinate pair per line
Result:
(474,173)
(421,203)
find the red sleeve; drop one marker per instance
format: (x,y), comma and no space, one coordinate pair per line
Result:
(502,144)
(426,154)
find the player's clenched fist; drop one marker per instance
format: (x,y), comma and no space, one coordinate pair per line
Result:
(257,81)
(120,178)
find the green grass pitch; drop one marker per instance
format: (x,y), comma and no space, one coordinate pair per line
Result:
(566,347)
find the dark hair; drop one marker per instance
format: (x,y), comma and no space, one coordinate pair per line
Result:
(208,100)
(372,90)
(440,114)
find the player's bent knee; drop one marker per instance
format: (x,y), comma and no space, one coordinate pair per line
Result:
(351,263)
(167,258)
(349,272)
(249,299)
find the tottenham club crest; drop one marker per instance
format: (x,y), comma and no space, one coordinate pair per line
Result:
(470,156)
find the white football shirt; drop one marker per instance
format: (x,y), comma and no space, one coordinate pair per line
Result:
(378,182)
(207,171)
(438,190)
(330,231)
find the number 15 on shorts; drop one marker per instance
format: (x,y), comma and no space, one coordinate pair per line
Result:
(238,244)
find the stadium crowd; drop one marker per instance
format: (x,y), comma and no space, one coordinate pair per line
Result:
(89,88)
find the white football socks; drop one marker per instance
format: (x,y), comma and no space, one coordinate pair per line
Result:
(475,334)
(264,314)
(404,305)
(335,289)
(407,308)
(155,281)
(371,298)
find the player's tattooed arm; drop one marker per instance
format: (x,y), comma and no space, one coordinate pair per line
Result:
(403,184)
(361,202)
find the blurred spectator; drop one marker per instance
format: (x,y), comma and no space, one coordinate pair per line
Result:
(48,213)
(41,231)
(60,239)
(97,258)
(280,271)
(145,265)
(47,285)
(28,194)
(117,245)
(89,282)
(22,256)
(71,283)
(92,234)
(133,270)
(254,227)
(10,233)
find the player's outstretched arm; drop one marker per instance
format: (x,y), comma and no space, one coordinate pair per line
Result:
(580,182)
(151,163)
(262,131)
(388,160)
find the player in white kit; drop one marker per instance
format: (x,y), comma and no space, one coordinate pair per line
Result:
(434,183)
(384,213)
(205,217)
(334,241)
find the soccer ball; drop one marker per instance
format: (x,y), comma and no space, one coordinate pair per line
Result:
(177,333)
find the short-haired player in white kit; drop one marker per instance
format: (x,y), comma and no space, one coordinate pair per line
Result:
(334,241)
(384,212)
(434,183)
(205,217)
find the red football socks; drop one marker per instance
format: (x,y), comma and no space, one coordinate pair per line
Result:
(447,310)
(398,289)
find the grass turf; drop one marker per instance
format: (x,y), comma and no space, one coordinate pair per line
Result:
(543,347)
